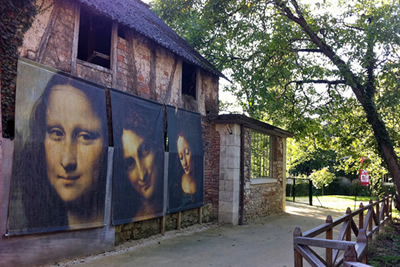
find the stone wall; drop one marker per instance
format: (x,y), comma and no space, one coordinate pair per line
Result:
(140,67)
(262,199)
(211,141)
(143,229)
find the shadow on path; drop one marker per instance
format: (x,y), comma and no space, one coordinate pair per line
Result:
(264,242)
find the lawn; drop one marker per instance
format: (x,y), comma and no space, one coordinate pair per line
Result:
(335,202)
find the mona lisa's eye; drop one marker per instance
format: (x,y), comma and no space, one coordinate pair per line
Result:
(144,149)
(55,133)
(129,164)
(87,137)
(187,151)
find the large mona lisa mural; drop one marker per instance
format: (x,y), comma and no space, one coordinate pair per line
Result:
(59,162)
(185,166)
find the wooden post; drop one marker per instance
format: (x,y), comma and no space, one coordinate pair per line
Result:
(162,225)
(200,215)
(377,214)
(348,230)
(329,235)
(390,207)
(179,221)
(387,206)
(77,14)
(350,254)
(294,190)
(298,259)
(362,239)
(370,217)
(361,218)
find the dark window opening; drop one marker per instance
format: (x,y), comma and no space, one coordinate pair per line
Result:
(94,43)
(121,31)
(188,79)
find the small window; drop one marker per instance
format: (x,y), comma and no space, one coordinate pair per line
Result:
(121,31)
(94,43)
(188,79)
(260,155)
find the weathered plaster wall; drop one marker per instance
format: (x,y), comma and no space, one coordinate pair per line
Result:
(264,198)
(34,35)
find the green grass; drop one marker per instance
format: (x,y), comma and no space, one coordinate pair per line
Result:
(384,251)
(335,202)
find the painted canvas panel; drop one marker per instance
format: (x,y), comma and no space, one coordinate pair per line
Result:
(60,154)
(185,167)
(138,174)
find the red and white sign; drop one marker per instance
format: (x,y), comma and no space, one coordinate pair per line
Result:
(364,178)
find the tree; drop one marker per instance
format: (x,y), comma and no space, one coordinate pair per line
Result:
(322,178)
(330,77)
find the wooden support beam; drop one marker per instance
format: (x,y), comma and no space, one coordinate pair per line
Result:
(113,53)
(179,221)
(200,215)
(329,236)
(162,225)
(361,218)
(298,259)
(75,41)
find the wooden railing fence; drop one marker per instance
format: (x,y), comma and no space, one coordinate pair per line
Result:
(343,250)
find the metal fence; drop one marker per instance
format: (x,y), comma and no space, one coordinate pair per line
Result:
(302,188)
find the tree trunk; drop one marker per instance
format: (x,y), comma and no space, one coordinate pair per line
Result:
(364,93)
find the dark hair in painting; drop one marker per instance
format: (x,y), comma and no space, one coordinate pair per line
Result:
(44,210)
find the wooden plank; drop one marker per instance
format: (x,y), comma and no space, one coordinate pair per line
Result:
(47,32)
(323,243)
(113,53)
(179,221)
(298,259)
(317,230)
(75,40)
(200,215)
(355,264)
(162,225)
(367,219)
(329,236)
(309,256)
(354,227)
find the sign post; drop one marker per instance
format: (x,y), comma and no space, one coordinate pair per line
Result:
(364,178)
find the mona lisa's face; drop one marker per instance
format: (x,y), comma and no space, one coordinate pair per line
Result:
(73,143)
(139,163)
(185,154)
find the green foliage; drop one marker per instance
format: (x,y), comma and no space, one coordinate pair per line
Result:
(15,19)
(385,248)
(318,69)
(321,178)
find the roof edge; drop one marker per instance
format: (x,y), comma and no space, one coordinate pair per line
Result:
(250,123)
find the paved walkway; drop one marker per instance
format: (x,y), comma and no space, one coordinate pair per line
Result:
(267,242)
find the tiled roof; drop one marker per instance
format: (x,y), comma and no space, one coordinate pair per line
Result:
(137,15)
